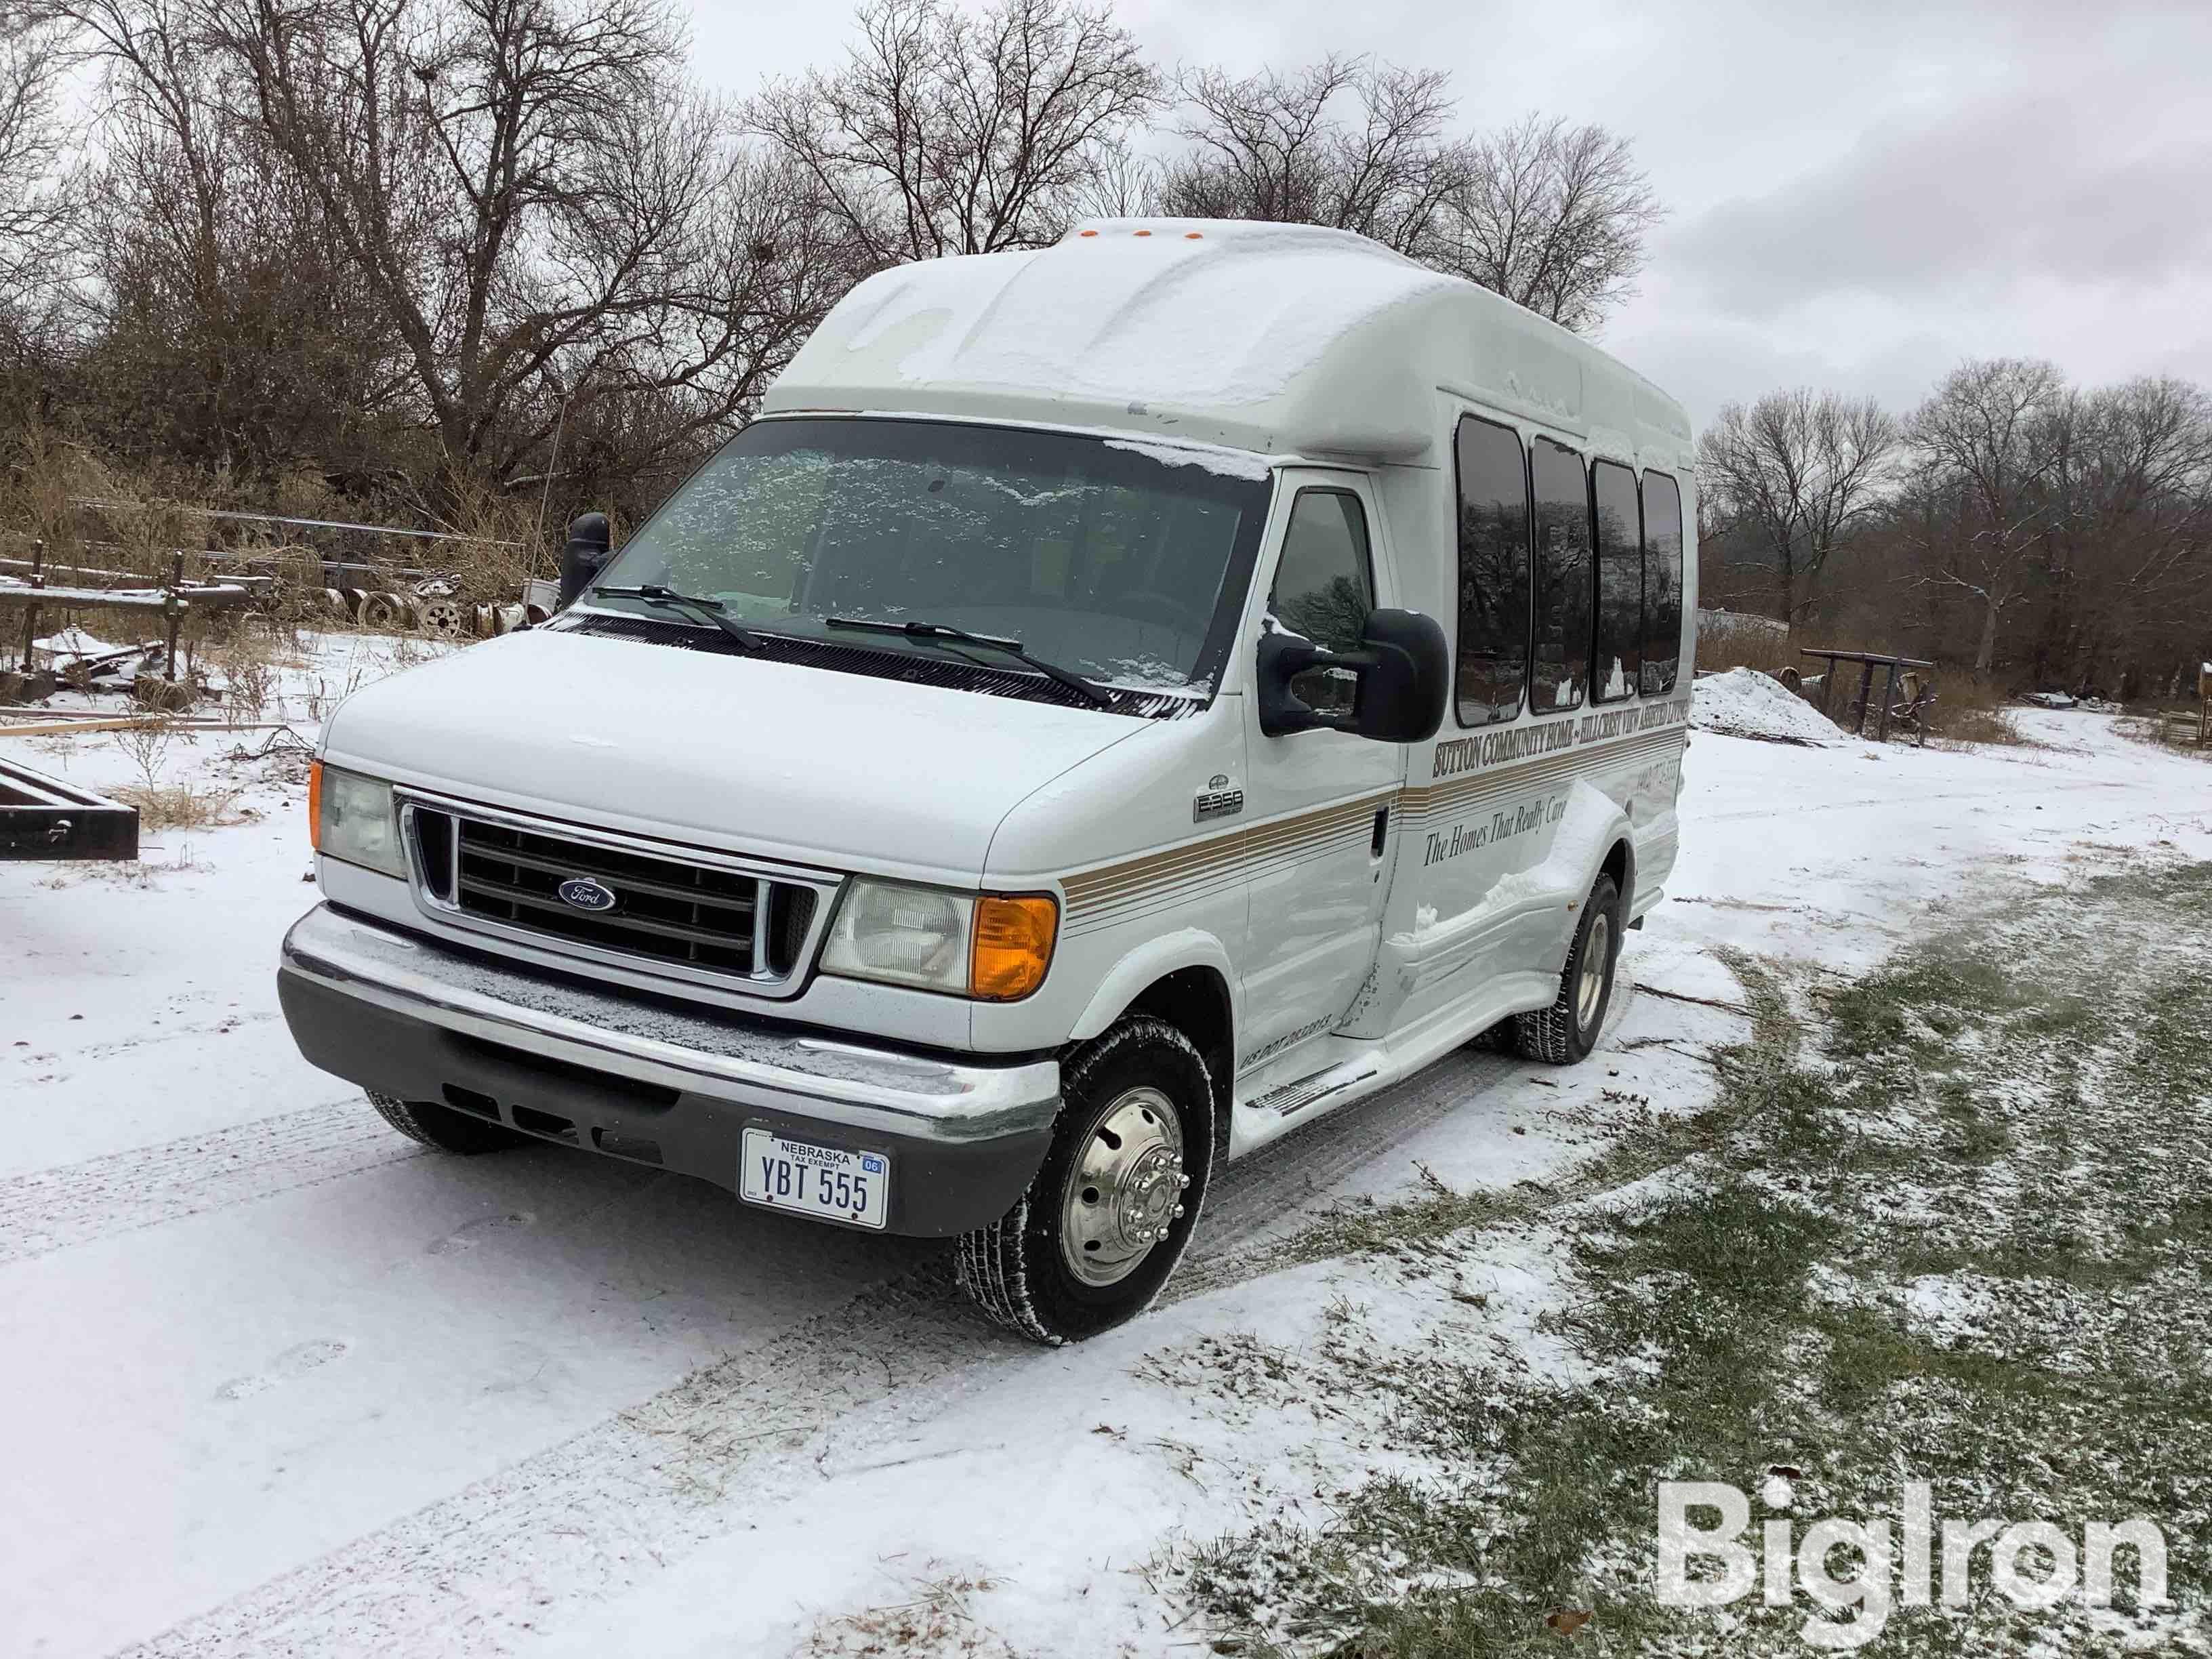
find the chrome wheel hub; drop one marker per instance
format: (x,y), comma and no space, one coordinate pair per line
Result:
(1125,1188)
(1590,984)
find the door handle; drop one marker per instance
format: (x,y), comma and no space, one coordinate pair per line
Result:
(1381,830)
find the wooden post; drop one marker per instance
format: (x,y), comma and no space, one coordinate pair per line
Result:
(1888,697)
(175,608)
(31,612)
(1866,691)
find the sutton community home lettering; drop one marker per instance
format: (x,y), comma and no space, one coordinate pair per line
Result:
(1522,742)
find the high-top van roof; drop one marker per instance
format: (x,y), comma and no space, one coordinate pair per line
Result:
(1287,339)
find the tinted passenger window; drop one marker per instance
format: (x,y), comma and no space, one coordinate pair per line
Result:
(1493,573)
(1324,589)
(1662,582)
(1619,646)
(1561,670)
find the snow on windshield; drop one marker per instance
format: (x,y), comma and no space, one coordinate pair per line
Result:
(1112,559)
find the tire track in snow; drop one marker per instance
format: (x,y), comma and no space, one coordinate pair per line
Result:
(125,1192)
(1281,1184)
(481,1571)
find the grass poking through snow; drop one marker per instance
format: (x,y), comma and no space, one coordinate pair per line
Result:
(1951,1223)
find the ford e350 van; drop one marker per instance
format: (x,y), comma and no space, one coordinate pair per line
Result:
(1117,705)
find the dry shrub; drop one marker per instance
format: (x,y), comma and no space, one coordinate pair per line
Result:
(246,662)
(1726,641)
(147,745)
(502,545)
(1971,709)
(40,474)
(182,806)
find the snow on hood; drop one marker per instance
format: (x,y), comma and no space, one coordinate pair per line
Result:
(767,758)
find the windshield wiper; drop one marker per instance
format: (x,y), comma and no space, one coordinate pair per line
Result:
(923,630)
(654,594)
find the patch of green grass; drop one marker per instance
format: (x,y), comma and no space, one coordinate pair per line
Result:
(1965,1240)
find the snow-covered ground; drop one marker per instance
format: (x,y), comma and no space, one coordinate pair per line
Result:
(279,1381)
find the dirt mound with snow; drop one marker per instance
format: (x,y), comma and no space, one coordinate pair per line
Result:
(1746,703)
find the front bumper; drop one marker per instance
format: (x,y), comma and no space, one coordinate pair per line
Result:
(655,1082)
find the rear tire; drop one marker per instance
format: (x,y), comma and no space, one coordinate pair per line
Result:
(443,1128)
(1107,1216)
(1567,1030)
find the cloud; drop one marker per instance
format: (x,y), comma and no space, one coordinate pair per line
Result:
(1863,194)
(1972,202)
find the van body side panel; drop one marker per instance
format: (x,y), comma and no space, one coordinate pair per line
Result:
(1501,828)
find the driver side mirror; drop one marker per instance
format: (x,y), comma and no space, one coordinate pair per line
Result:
(584,556)
(1403,667)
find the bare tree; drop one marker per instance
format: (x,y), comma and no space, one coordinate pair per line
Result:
(1275,147)
(2129,562)
(955,132)
(539,207)
(1553,216)
(1998,431)
(36,201)
(1795,473)
(220,331)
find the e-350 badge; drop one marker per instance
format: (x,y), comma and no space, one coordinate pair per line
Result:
(1217,800)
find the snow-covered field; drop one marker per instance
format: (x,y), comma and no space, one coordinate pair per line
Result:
(281,1382)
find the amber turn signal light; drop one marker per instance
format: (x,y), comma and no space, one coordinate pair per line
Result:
(315,805)
(1012,945)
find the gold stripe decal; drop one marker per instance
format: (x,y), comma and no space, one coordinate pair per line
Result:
(1544,751)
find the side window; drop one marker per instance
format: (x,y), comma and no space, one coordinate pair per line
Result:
(1662,582)
(1493,573)
(1619,652)
(1560,673)
(1324,588)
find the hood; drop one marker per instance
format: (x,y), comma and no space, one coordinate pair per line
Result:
(805,764)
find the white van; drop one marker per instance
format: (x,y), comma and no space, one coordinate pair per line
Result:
(1118,704)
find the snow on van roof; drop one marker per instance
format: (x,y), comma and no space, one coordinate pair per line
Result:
(1285,339)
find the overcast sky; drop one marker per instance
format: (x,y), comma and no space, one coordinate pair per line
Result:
(1860,194)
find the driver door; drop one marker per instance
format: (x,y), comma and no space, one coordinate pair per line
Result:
(1317,803)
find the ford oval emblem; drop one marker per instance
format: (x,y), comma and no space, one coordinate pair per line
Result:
(586,894)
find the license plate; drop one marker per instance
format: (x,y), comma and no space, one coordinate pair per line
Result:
(818,1180)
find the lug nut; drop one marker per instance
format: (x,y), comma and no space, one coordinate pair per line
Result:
(1177,1213)
(1182,1181)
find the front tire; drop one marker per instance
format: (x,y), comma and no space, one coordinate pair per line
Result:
(444,1128)
(1107,1216)
(1567,1030)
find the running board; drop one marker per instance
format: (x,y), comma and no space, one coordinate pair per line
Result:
(1297,1096)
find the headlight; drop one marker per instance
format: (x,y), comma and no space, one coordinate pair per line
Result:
(990,947)
(352,818)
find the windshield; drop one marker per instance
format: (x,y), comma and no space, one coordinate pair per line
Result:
(1121,560)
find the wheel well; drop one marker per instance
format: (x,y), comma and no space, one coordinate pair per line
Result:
(1620,864)
(1195,1001)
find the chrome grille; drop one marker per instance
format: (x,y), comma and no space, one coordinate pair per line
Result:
(699,919)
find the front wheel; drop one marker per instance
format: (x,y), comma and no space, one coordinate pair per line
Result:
(1567,1030)
(1106,1217)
